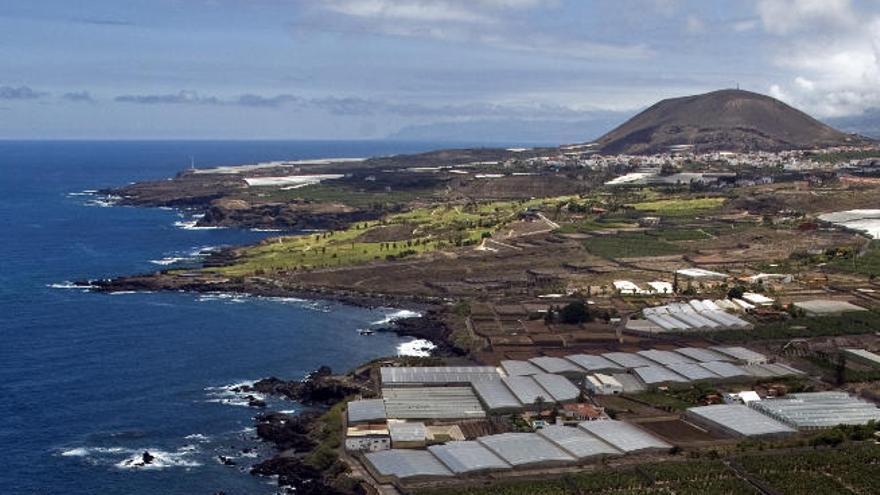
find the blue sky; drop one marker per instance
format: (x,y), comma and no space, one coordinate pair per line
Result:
(337,69)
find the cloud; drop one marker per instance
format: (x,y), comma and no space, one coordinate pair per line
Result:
(501,24)
(103,22)
(831,74)
(358,106)
(782,17)
(20,93)
(79,97)
(694,25)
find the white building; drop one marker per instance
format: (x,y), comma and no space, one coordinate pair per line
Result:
(601,384)
(367,439)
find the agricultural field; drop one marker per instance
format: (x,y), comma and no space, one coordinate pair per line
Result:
(631,245)
(867,264)
(682,207)
(853,323)
(853,469)
(691,478)
(430,229)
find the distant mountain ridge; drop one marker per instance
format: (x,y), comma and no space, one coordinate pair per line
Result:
(725,120)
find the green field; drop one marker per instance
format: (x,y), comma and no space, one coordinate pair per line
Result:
(853,323)
(680,207)
(433,229)
(630,245)
(331,193)
(867,264)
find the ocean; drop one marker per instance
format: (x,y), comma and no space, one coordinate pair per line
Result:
(90,381)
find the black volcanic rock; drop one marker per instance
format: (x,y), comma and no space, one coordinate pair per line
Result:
(726,120)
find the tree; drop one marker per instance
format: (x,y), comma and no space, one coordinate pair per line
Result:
(575,312)
(736,292)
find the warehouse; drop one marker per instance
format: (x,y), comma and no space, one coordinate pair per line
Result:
(436,375)
(701,355)
(627,360)
(408,465)
(658,376)
(468,457)
(496,397)
(560,389)
(593,364)
(559,366)
(810,411)
(526,390)
(665,357)
(741,354)
(577,443)
(432,403)
(738,421)
(630,384)
(366,411)
(624,436)
(525,450)
(601,384)
(519,368)
(693,372)
(367,438)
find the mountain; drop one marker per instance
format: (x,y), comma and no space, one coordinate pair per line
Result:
(726,120)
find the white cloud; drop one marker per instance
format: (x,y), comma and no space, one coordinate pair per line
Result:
(788,16)
(833,73)
(695,25)
(484,22)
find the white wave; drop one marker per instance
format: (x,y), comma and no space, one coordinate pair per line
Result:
(397,315)
(232,394)
(77,452)
(69,285)
(169,260)
(124,292)
(104,202)
(416,348)
(197,437)
(266,230)
(237,298)
(83,193)
(192,225)
(161,460)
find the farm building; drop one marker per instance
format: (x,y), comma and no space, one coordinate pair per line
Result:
(741,354)
(436,375)
(496,397)
(525,450)
(593,364)
(627,360)
(559,387)
(519,368)
(727,371)
(367,438)
(658,376)
(863,356)
(407,435)
(818,307)
(601,384)
(366,411)
(630,384)
(665,357)
(693,371)
(702,355)
(432,403)
(577,443)
(527,390)
(738,420)
(625,437)
(559,366)
(406,465)
(816,410)
(467,457)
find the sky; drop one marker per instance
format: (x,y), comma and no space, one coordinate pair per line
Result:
(367,69)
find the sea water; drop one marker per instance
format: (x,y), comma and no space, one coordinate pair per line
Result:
(90,381)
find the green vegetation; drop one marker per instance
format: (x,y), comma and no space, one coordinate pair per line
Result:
(691,478)
(630,245)
(676,399)
(853,469)
(851,323)
(329,438)
(867,264)
(330,193)
(680,207)
(845,156)
(433,229)
(681,234)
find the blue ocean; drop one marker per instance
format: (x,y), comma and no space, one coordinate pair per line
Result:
(90,381)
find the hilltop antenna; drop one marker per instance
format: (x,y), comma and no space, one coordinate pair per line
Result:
(737,86)
(192,162)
